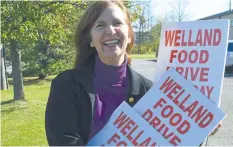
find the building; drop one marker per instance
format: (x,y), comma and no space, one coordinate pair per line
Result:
(224,15)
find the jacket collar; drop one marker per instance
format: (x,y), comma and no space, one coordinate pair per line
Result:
(85,78)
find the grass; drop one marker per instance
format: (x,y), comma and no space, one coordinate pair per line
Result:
(22,122)
(142,56)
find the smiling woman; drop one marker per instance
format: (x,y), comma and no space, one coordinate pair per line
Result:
(110,36)
(82,100)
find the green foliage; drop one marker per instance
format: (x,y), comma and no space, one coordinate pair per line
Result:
(150,40)
(143,56)
(44,30)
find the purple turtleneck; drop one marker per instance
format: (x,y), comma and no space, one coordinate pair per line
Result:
(111,87)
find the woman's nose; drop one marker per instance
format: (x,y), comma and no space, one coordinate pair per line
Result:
(110,30)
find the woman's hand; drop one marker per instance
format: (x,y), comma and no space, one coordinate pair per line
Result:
(216,129)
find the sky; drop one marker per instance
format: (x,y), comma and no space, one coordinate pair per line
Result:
(196,9)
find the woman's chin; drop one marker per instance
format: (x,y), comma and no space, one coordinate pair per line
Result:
(112,54)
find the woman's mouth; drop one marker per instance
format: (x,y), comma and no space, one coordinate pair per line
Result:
(111,42)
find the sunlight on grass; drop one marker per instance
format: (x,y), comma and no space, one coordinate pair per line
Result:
(23,121)
(142,56)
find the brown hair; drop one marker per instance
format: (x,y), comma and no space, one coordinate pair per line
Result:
(85,54)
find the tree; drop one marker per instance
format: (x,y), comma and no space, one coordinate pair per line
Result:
(40,34)
(179,10)
(25,24)
(143,25)
(53,51)
(4,83)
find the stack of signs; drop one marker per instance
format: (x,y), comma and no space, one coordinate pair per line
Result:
(176,110)
(197,50)
(127,128)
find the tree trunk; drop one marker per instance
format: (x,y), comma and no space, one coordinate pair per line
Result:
(140,40)
(4,83)
(17,71)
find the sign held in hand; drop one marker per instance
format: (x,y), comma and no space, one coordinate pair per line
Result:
(178,111)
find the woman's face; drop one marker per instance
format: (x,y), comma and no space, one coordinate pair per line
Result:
(110,33)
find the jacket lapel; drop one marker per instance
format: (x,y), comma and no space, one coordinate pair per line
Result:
(136,87)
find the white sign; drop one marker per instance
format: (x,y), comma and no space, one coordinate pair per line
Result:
(197,50)
(178,111)
(127,128)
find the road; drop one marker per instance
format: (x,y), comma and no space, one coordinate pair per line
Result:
(224,137)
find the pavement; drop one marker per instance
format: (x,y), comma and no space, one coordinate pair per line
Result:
(224,136)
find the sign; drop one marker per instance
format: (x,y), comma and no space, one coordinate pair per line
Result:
(178,111)
(197,50)
(127,128)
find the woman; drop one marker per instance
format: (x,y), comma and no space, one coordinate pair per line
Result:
(82,100)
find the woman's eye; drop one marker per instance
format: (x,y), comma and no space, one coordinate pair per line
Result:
(100,26)
(118,23)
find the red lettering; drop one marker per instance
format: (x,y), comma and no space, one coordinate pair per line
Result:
(145,142)
(217,37)
(155,122)
(114,139)
(209,90)
(206,120)
(182,53)
(178,120)
(195,54)
(180,70)
(159,103)
(181,105)
(208,37)
(129,137)
(199,114)
(183,43)
(174,91)
(175,141)
(121,120)
(177,38)
(169,37)
(147,115)
(173,55)
(191,108)
(167,85)
(134,141)
(175,100)
(199,38)
(184,127)
(127,127)
(204,56)
(170,111)
(194,74)
(121,143)
(190,43)
(204,74)
(165,133)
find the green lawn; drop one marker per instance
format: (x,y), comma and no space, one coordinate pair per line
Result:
(142,56)
(23,121)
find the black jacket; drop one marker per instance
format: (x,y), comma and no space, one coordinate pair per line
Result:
(69,108)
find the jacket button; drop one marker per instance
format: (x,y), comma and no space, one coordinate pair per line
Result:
(131,99)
